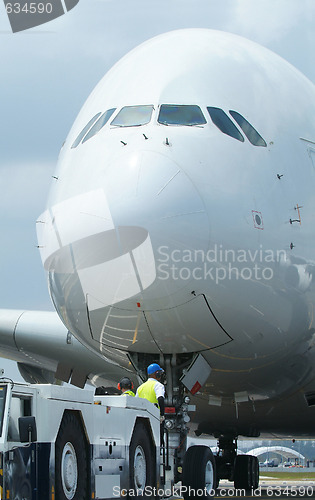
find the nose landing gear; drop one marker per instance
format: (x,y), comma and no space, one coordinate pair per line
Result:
(197,468)
(202,470)
(242,469)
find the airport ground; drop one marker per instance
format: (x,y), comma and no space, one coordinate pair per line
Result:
(276,484)
(279,484)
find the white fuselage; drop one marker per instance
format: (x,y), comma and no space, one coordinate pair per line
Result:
(175,239)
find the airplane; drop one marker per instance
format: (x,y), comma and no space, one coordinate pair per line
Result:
(179,230)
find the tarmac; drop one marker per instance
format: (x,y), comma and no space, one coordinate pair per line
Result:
(269,488)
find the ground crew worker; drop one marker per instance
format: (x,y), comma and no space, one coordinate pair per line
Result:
(153,390)
(126,387)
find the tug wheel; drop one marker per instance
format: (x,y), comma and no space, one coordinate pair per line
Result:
(199,472)
(70,460)
(141,462)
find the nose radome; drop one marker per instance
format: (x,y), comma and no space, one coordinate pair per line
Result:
(149,190)
(109,239)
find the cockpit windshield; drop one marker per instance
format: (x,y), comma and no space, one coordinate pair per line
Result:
(248,129)
(99,124)
(133,116)
(174,114)
(224,123)
(84,131)
(3,392)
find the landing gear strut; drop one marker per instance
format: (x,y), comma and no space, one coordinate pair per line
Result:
(176,412)
(176,420)
(197,467)
(225,457)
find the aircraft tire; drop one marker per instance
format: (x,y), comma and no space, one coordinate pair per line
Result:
(199,472)
(255,472)
(70,460)
(141,462)
(246,472)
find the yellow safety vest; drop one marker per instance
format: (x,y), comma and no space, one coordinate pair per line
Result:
(146,391)
(129,393)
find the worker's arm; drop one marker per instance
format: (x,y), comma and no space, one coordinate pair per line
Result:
(161,405)
(160,393)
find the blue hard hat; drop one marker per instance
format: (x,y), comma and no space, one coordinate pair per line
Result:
(154,368)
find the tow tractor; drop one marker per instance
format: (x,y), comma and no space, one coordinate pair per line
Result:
(63,443)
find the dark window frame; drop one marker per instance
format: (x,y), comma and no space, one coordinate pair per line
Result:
(251,133)
(224,123)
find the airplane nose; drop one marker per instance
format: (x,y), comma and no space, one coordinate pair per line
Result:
(149,190)
(107,244)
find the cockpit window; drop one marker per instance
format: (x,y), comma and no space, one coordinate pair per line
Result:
(224,123)
(84,131)
(133,116)
(99,124)
(251,134)
(173,114)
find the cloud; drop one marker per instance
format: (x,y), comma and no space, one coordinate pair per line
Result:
(268,20)
(24,189)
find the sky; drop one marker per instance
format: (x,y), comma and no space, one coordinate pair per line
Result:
(48,72)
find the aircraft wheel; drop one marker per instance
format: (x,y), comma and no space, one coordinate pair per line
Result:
(70,460)
(255,472)
(242,472)
(199,472)
(246,472)
(141,462)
